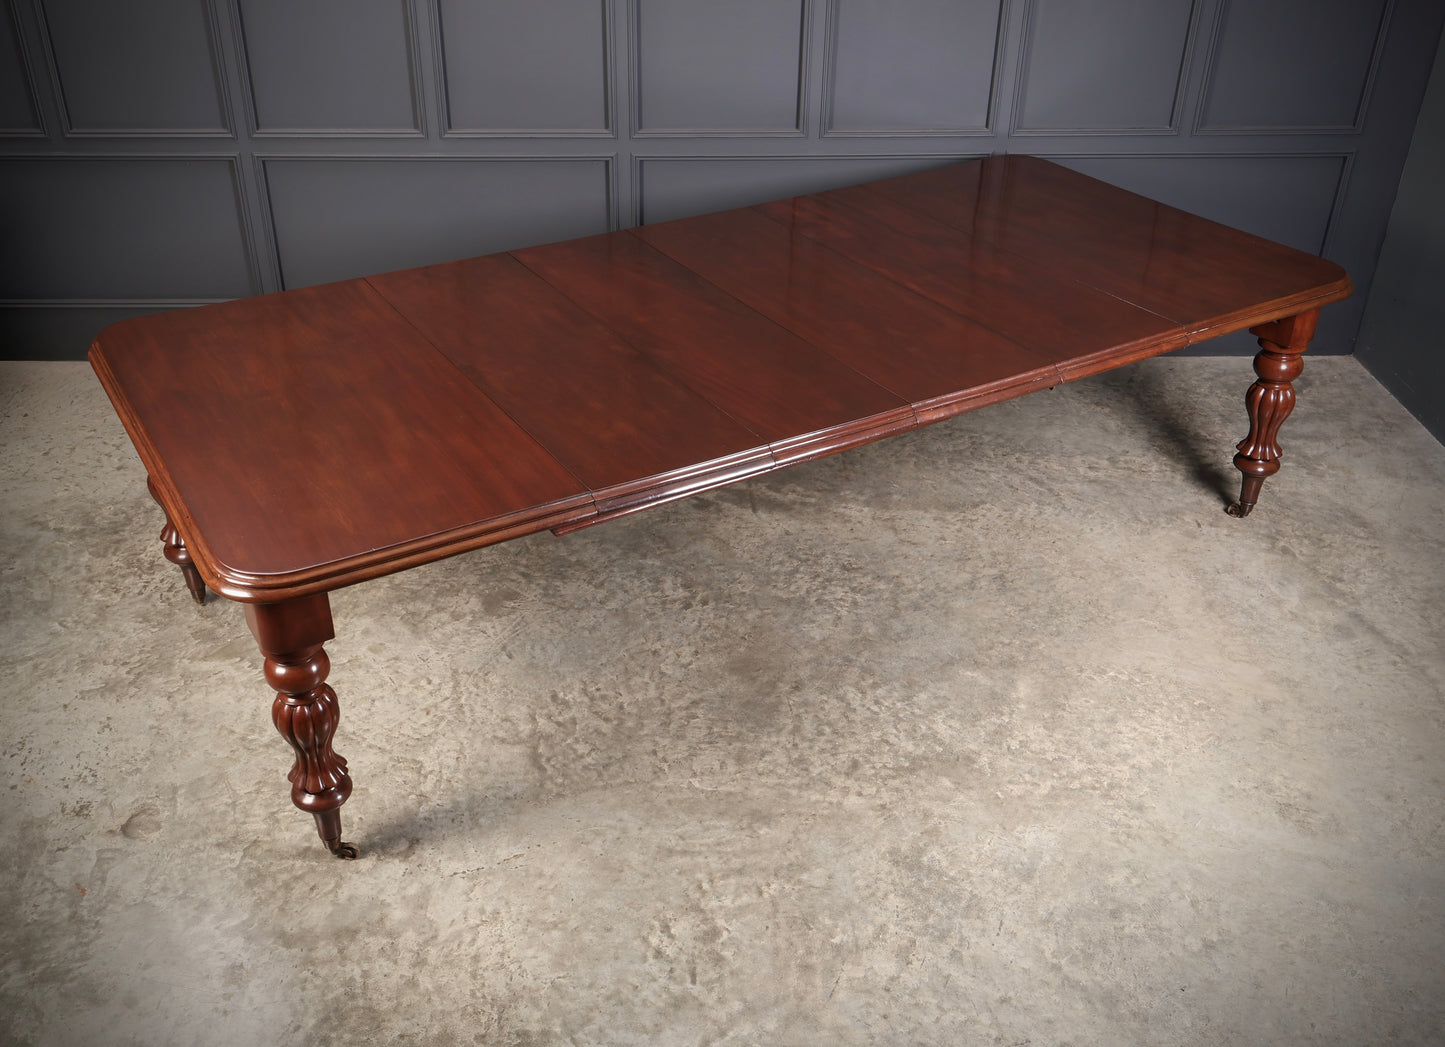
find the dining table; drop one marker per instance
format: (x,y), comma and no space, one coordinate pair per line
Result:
(320,437)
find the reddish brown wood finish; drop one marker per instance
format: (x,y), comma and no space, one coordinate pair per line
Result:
(1270,401)
(899,339)
(316,438)
(306,440)
(800,398)
(1082,329)
(631,433)
(176,552)
(305,711)
(1208,278)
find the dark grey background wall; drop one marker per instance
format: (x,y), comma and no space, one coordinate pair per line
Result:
(1402,338)
(168,152)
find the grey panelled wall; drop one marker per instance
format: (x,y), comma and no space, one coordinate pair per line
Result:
(1402,339)
(160,153)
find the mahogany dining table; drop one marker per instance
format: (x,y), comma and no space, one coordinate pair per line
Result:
(311,439)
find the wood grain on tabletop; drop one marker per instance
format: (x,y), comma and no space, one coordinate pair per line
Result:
(319,436)
(928,355)
(1198,273)
(770,379)
(602,408)
(315,425)
(1061,318)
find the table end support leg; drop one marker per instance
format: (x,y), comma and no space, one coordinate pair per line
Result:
(176,551)
(1269,401)
(305,711)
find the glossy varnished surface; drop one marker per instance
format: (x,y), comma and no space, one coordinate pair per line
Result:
(1206,277)
(315,438)
(293,433)
(616,421)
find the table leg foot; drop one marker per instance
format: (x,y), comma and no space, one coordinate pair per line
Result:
(1269,401)
(305,710)
(328,826)
(176,551)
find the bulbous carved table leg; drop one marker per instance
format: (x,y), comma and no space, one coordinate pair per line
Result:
(305,711)
(1270,401)
(176,551)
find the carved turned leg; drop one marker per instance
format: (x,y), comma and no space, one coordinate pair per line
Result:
(1270,401)
(176,551)
(290,635)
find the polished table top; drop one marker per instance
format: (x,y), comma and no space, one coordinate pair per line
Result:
(310,439)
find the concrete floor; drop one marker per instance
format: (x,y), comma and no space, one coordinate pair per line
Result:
(1001,732)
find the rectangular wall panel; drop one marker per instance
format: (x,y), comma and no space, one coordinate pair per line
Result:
(136,68)
(1291,65)
(707,66)
(18,113)
(525,65)
(331,66)
(906,66)
(677,188)
(341,217)
(1286,198)
(1102,67)
(122,228)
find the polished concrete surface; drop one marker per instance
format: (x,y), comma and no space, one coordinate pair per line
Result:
(1000,732)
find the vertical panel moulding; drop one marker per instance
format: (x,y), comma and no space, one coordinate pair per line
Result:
(218,68)
(1004,102)
(1211,57)
(243,66)
(414,67)
(634,168)
(442,107)
(614,206)
(830,66)
(27,75)
(813,69)
(270,241)
(805,66)
(1194,75)
(1347,167)
(1186,66)
(248,232)
(1021,65)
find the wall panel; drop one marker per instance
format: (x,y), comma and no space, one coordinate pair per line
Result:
(339,217)
(1102,67)
(1292,65)
(331,66)
(525,66)
(136,69)
(909,66)
(132,227)
(735,67)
